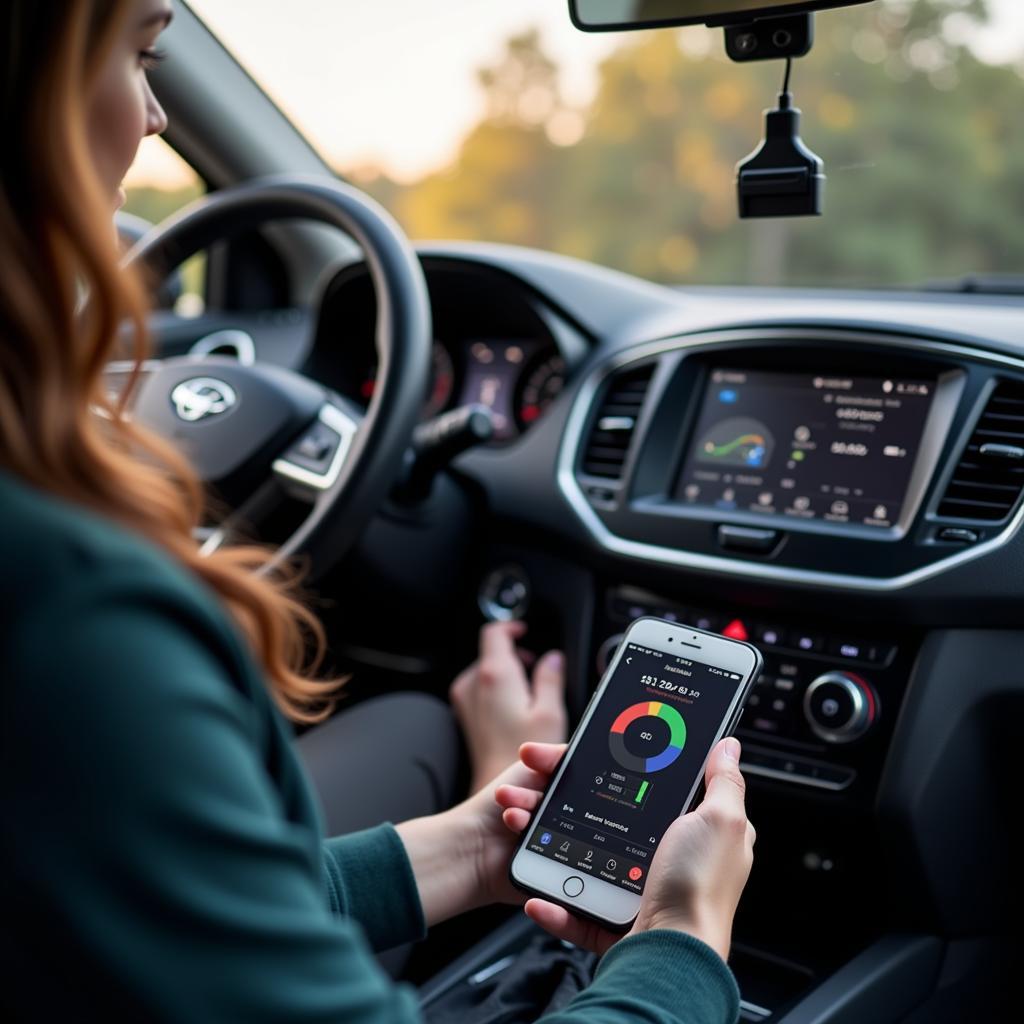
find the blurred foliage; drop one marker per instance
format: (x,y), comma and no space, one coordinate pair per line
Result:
(923,145)
(155,205)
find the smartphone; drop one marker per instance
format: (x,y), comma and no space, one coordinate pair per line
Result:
(635,763)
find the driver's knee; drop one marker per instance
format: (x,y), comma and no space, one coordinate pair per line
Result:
(389,758)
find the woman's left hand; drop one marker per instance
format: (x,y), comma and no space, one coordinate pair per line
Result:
(461,857)
(502,811)
(499,708)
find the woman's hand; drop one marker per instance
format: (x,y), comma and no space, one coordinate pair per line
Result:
(697,874)
(499,708)
(461,857)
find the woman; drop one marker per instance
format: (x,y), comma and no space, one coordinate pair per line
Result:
(161,845)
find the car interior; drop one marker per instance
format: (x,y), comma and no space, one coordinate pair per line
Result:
(474,431)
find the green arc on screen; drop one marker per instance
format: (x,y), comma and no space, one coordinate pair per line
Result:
(718,450)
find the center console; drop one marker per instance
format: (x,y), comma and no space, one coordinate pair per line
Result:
(790,486)
(823,708)
(847,501)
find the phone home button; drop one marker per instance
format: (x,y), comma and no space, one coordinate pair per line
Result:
(572,886)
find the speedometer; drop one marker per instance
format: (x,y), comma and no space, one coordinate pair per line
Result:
(541,385)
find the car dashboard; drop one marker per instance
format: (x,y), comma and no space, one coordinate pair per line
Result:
(835,477)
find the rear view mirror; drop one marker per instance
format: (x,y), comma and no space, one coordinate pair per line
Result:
(618,15)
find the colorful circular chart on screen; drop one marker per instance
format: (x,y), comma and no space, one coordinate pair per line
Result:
(645,723)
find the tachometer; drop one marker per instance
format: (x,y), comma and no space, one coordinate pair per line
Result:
(541,385)
(442,381)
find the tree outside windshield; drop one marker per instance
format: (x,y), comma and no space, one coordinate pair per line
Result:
(920,128)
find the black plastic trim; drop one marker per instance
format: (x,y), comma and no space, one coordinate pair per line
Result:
(881,985)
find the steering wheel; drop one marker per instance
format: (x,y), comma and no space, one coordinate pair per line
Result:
(250,429)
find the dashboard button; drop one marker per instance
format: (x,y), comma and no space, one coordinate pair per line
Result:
(706,621)
(863,650)
(736,629)
(770,636)
(803,640)
(851,650)
(747,540)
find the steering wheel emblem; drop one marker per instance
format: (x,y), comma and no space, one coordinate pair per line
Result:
(199,397)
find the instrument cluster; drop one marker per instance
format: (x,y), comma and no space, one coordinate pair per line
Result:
(516,378)
(494,345)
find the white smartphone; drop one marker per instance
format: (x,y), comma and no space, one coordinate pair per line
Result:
(634,764)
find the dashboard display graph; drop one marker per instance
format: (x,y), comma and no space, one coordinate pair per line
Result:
(647,737)
(737,441)
(835,447)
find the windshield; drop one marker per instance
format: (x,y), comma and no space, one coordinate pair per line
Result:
(482,119)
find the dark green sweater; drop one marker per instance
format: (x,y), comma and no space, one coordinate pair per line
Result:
(162,849)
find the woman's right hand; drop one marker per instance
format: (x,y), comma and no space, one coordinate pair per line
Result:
(698,872)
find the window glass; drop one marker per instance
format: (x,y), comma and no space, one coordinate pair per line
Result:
(500,121)
(159,184)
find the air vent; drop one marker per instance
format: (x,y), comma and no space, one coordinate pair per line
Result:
(990,474)
(616,420)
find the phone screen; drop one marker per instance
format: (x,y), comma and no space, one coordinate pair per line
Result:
(635,765)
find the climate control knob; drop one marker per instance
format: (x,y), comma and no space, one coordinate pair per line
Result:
(840,706)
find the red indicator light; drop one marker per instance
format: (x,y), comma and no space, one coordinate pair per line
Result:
(635,874)
(529,413)
(736,631)
(367,388)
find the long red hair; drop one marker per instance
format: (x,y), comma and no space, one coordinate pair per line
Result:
(59,431)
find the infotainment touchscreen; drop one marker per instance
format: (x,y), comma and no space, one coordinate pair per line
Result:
(814,446)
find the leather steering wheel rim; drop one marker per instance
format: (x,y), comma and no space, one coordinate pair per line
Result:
(403,334)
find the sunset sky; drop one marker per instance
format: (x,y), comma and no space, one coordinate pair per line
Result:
(392,82)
